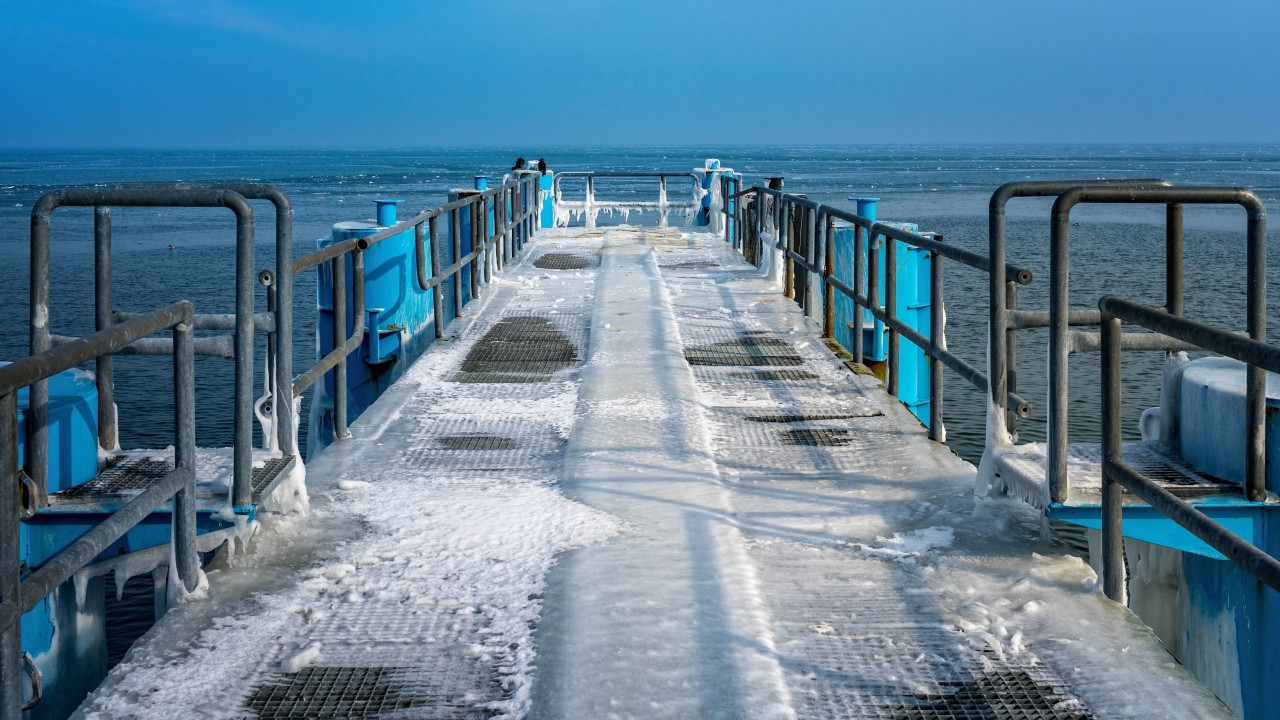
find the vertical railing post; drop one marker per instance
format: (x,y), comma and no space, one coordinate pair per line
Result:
(437,297)
(339,268)
(1010,372)
(455,233)
(10,560)
(1173,258)
(282,407)
(242,450)
(479,239)
(269,380)
(828,290)
(1113,574)
(37,414)
(890,310)
(787,241)
(184,422)
(937,341)
(873,285)
(1255,461)
(104,376)
(589,216)
(859,269)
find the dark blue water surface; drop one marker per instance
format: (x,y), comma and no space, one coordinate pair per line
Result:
(1115,250)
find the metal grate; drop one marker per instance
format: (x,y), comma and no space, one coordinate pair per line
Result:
(773,375)
(750,348)
(819,417)
(519,348)
(265,475)
(121,475)
(565,261)
(477,442)
(333,692)
(816,437)
(690,265)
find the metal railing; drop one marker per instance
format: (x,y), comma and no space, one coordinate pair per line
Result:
(1117,476)
(515,207)
(244,322)
(804,233)
(19,595)
(589,206)
(1059,319)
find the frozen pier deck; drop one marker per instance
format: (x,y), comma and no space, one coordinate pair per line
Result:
(636,484)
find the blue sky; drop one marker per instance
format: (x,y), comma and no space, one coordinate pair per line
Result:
(235,73)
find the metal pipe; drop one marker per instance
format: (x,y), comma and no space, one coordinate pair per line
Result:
(859,269)
(222,346)
(108,427)
(1082,342)
(873,285)
(437,297)
(937,340)
(479,242)
(184,456)
(828,262)
(1113,575)
(1011,356)
(455,233)
(891,311)
(262,322)
(339,299)
(1173,288)
(10,561)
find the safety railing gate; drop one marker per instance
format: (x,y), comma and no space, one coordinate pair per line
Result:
(502,220)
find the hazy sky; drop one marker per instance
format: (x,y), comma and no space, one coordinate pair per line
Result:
(310,73)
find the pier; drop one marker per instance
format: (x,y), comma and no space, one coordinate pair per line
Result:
(638,484)
(635,471)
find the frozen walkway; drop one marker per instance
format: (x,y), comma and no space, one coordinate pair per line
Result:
(637,485)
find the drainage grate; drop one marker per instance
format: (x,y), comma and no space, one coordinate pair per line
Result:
(816,437)
(750,348)
(564,261)
(265,475)
(773,375)
(690,265)
(477,442)
(333,692)
(806,418)
(122,475)
(520,348)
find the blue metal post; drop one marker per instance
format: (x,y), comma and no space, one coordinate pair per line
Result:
(387,212)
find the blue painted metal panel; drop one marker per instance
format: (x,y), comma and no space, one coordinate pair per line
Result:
(397,320)
(546,183)
(913,307)
(1145,523)
(73,428)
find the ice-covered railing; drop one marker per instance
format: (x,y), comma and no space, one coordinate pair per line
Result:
(802,233)
(19,595)
(590,207)
(1117,476)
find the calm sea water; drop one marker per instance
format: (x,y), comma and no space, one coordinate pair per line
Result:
(1117,250)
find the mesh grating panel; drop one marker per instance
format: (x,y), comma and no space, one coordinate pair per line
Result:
(748,349)
(565,261)
(689,265)
(332,692)
(816,437)
(773,375)
(477,442)
(817,417)
(526,347)
(122,475)
(265,475)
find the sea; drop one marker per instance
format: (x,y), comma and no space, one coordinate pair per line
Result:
(163,255)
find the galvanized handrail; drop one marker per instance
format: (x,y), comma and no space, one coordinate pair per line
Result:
(19,595)
(143,195)
(589,204)
(515,205)
(804,232)
(1117,476)
(1061,338)
(1003,293)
